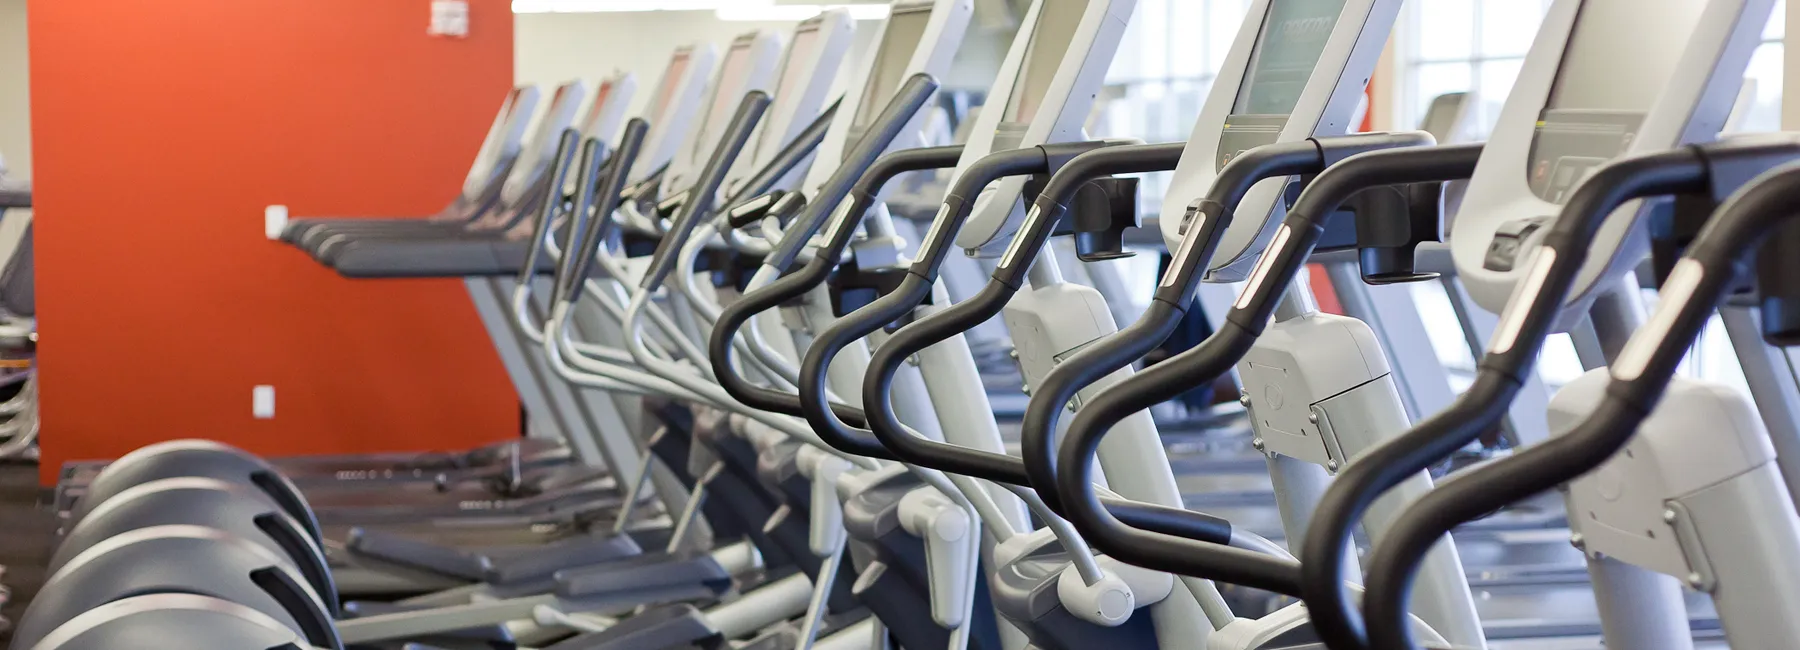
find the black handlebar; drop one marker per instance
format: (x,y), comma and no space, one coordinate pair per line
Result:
(1046,211)
(1498,377)
(600,225)
(588,180)
(702,195)
(1204,225)
(790,157)
(1292,243)
(733,317)
(887,127)
(850,180)
(553,203)
(913,289)
(1716,260)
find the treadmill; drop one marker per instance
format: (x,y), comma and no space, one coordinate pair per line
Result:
(531,475)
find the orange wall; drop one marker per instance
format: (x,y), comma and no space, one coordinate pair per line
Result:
(161,129)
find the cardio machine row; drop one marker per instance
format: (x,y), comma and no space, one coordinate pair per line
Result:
(814,458)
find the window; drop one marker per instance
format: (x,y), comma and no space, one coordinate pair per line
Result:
(1166,63)
(1763,77)
(1479,45)
(1463,45)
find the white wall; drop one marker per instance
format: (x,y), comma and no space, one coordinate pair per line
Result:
(15,104)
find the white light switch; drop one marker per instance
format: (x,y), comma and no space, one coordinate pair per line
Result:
(449,18)
(262,402)
(275,218)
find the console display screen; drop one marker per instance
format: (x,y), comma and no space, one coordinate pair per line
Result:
(665,90)
(1287,50)
(1050,39)
(727,92)
(1293,37)
(806,41)
(590,121)
(1619,57)
(904,31)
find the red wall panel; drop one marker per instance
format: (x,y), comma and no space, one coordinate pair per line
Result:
(160,131)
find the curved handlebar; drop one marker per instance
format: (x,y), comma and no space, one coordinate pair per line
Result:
(1510,356)
(1046,211)
(1714,261)
(888,126)
(793,285)
(1206,225)
(913,289)
(1293,242)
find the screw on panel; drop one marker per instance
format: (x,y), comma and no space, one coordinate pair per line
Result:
(1244,399)
(1331,465)
(1669,516)
(1312,417)
(1578,541)
(1257,443)
(1694,580)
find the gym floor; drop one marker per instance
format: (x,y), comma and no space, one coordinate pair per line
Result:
(25,533)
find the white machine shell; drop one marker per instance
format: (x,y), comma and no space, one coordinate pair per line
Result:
(503,138)
(1699,435)
(1693,105)
(932,55)
(672,113)
(797,104)
(1324,108)
(1298,364)
(535,160)
(606,115)
(749,64)
(951,550)
(1079,74)
(1111,600)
